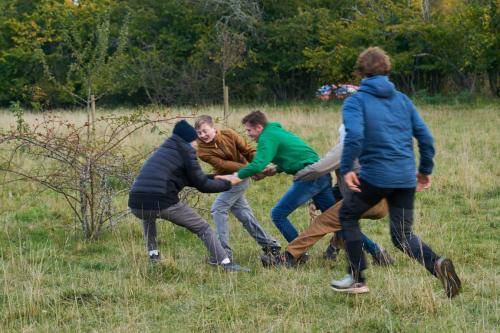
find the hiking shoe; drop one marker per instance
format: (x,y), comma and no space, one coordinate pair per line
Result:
(304,257)
(272,260)
(349,286)
(272,250)
(382,258)
(285,260)
(232,267)
(331,253)
(154,256)
(271,256)
(445,271)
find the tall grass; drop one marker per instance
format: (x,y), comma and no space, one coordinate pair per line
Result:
(51,280)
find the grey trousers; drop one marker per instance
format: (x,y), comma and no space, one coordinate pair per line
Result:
(234,201)
(184,216)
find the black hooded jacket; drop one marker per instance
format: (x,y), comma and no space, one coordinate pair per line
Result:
(166,172)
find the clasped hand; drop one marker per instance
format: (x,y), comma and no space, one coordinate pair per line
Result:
(234,179)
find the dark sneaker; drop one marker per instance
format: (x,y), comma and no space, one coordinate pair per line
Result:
(304,257)
(272,250)
(232,267)
(271,255)
(154,257)
(349,286)
(271,260)
(382,258)
(286,260)
(445,271)
(331,253)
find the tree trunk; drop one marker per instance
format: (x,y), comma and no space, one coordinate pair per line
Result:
(225,91)
(493,80)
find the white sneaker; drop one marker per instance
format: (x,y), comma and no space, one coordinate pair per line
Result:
(348,285)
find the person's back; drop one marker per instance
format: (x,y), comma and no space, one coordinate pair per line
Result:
(382,123)
(156,177)
(154,193)
(281,147)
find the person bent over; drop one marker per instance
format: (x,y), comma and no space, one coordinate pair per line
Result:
(154,193)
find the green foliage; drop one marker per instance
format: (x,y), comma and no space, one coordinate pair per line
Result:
(168,52)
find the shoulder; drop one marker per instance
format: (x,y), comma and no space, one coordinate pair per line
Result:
(402,96)
(353,101)
(405,100)
(228,132)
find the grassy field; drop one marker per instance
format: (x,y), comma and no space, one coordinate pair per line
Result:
(53,281)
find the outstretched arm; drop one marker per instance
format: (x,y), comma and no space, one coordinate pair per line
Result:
(265,154)
(327,164)
(425,141)
(200,180)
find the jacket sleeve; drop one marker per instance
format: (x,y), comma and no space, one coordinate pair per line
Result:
(247,150)
(352,112)
(220,163)
(425,141)
(200,180)
(330,162)
(266,151)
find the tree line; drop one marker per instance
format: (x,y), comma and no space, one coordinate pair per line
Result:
(56,53)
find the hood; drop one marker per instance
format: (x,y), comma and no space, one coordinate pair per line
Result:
(379,86)
(275,125)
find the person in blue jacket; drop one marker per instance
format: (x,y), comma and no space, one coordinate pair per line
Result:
(380,124)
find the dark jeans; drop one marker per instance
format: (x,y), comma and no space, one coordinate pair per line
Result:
(400,201)
(299,193)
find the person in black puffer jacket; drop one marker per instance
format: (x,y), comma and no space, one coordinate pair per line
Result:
(155,193)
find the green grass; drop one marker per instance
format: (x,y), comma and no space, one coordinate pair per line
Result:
(52,280)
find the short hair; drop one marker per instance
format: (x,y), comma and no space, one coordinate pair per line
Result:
(203,119)
(255,118)
(373,61)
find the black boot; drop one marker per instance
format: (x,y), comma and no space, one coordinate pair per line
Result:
(382,258)
(331,253)
(270,256)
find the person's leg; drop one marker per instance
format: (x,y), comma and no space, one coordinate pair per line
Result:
(325,223)
(369,246)
(380,256)
(184,216)
(401,225)
(242,211)
(220,213)
(324,199)
(299,193)
(148,219)
(401,216)
(353,208)
(149,227)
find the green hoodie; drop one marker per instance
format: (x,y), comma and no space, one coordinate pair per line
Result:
(281,147)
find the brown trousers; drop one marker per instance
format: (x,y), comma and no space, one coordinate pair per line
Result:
(329,222)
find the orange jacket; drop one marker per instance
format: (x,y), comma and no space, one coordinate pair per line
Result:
(227,153)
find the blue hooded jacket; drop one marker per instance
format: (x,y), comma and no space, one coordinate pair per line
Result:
(380,124)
